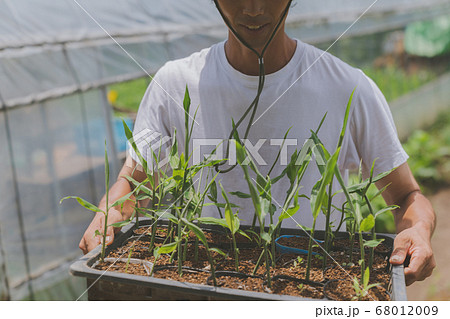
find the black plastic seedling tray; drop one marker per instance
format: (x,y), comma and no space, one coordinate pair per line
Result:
(109,285)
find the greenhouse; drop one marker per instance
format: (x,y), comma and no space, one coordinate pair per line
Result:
(60,61)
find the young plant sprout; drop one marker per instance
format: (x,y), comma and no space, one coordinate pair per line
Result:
(187,186)
(180,185)
(120,202)
(301,287)
(260,193)
(368,223)
(201,236)
(129,257)
(319,199)
(231,222)
(261,202)
(298,261)
(362,289)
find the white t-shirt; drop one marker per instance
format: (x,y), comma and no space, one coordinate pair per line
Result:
(311,84)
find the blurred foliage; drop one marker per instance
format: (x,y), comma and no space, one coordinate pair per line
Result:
(395,82)
(429,153)
(126,96)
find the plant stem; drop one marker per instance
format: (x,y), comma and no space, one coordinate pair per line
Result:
(211,262)
(253,222)
(180,252)
(154,265)
(129,257)
(185,246)
(137,219)
(172,257)
(374,236)
(153,233)
(327,226)
(258,263)
(308,262)
(272,246)
(278,230)
(152,239)
(266,253)
(102,256)
(154,226)
(170,229)
(363,260)
(352,241)
(196,249)
(342,218)
(236,253)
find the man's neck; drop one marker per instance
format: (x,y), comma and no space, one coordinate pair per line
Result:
(278,54)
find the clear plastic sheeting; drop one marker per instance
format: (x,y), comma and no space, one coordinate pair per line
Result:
(25,76)
(48,21)
(51,146)
(72,38)
(56,58)
(25,22)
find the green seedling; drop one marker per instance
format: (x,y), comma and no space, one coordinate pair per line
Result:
(320,200)
(201,236)
(129,257)
(362,289)
(119,203)
(298,261)
(230,222)
(301,287)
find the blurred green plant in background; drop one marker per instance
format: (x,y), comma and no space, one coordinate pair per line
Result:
(395,82)
(125,97)
(429,153)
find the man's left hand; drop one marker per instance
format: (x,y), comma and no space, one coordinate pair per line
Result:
(411,245)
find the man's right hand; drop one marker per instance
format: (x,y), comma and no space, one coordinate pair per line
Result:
(120,188)
(90,240)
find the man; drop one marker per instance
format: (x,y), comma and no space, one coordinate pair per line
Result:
(302,84)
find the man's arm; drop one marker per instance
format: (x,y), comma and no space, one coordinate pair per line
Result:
(415,221)
(120,188)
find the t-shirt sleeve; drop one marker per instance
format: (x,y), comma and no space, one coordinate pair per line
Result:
(373,136)
(151,131)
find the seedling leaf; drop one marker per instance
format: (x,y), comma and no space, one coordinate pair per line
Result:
(85,204)
(367,223)
(240,194)
(373,243)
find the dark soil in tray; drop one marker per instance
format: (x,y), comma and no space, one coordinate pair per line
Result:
(194,277)
(345,244)
(377,275)
(343,290)
(286,265)
(295,266)
(147,231)
(292,288)
(119,266)
(250,283)
(247,261)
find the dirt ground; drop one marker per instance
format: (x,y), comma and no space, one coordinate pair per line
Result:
(437,286)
